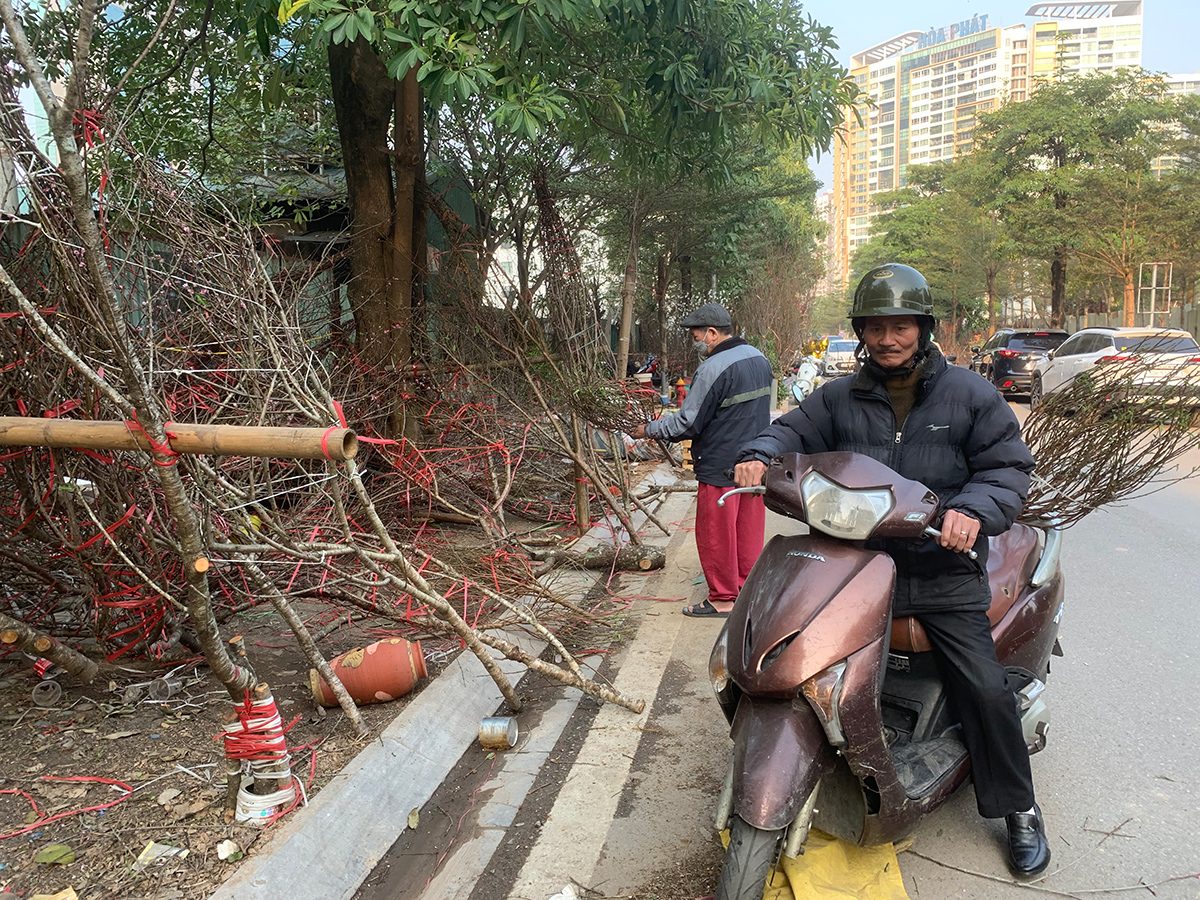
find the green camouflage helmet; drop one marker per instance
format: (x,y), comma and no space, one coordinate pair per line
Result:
(892,290)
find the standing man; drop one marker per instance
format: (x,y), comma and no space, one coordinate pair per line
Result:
(951,430)
(728,404)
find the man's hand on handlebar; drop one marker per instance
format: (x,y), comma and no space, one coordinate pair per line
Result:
(749,473)
(959,531)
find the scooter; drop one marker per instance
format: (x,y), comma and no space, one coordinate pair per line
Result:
(838,717)
(806,378)
(650,367)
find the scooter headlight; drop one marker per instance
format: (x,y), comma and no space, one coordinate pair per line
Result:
(717,672)
(843,513)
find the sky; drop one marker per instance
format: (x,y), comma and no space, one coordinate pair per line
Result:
(1168,31)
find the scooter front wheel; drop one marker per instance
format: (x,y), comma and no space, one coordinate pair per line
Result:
(748,861)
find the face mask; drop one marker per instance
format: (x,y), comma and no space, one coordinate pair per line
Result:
(700,347)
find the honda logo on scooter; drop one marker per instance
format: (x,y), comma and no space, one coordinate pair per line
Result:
(817,556)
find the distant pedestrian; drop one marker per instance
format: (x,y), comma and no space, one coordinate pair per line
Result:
(728,404)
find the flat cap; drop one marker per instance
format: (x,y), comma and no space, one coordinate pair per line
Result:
(709,315)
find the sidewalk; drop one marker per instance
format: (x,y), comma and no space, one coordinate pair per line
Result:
(635,815)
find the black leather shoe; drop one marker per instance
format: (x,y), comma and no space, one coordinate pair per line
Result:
(1028,849)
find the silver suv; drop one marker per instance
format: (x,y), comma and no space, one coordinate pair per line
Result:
(1170,357)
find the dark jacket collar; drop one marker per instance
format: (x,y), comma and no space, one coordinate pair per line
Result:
(728,344)
(870,379)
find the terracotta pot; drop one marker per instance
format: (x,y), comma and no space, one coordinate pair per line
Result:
(383,671)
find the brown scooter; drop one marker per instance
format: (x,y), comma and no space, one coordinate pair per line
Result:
(839,719)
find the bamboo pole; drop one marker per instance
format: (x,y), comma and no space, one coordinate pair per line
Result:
(337,444)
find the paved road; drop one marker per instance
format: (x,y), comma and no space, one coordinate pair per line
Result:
(1124,752)
(1124,747)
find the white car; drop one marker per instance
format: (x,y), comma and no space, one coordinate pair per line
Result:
(1165,361)
(838,358)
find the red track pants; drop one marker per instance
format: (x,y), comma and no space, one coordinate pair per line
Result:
(728,538)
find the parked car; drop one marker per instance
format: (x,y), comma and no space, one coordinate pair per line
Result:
(839,358)
(1168,361)
(1008,357)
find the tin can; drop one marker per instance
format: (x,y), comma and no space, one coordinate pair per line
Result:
(45,668)
(498,732)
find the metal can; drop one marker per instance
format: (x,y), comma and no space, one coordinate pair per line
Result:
(498,732)
(46,668)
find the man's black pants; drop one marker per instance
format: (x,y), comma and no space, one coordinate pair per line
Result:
(981,699)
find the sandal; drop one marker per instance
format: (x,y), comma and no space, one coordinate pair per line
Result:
(704,610)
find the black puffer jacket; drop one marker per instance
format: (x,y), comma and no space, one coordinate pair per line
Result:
(961,439)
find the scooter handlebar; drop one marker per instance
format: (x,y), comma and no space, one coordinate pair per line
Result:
(933,532)
(749,490)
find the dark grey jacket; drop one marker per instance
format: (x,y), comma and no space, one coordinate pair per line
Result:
(961,440)
(728,404)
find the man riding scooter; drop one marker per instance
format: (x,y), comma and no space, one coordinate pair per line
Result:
(949,429)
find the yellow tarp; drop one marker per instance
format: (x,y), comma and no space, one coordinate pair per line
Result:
(830,869)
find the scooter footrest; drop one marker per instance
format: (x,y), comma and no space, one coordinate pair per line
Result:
(922,764)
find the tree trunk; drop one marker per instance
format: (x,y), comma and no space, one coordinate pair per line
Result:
(420,227)
(991,300)
(660,300)
(383,225)
(363,99)
(953,340)
(1058,270)
(1128,319)
(1058,286)
(628,288)
(685,282)
(408,141)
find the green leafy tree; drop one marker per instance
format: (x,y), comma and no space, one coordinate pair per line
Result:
(682,81)
(1183,180)
(937,230)
(1043,153)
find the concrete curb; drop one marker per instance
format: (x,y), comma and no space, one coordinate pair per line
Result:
(326,850)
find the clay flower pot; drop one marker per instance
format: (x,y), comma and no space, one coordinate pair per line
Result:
(383,671)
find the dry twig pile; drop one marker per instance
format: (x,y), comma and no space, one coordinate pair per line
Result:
(130,293)
(1114,433)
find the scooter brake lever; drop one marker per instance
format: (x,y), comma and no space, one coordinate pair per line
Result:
(761,489)
(933,532)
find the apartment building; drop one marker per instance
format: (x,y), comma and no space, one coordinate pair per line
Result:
(1177,86)
(928,87)
(1085,36)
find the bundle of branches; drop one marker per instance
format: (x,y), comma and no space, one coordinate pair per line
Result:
(532,375)
(166,309)
(1115,432)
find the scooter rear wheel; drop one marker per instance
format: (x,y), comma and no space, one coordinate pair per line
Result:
(748,861)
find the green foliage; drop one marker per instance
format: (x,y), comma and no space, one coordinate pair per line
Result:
(1067,172)
(1068,165)
(936,227)
(721,68)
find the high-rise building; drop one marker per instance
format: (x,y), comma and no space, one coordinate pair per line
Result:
(929,86)
(1177,86)
(1085,36)
(829,281)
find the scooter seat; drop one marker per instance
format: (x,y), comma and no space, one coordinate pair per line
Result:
(1012,557)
